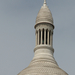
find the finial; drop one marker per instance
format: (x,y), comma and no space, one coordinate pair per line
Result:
(44,1)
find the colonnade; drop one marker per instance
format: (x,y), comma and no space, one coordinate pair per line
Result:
(44,36)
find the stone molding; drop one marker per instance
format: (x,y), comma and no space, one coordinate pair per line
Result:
(43,46)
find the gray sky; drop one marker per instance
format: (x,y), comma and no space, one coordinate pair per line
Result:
(17,33)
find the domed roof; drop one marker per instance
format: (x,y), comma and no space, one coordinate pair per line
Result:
(45,65)
(44,15)
(42,69)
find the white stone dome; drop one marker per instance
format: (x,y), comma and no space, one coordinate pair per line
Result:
(44,15)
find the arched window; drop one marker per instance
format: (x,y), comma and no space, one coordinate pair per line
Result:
(39,36)
(43,36)
(47,36)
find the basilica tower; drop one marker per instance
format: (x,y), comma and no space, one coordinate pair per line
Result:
(43,62)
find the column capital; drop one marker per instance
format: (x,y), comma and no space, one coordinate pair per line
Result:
(41,29)
(44,29)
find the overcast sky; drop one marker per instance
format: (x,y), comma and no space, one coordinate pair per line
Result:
(17,34)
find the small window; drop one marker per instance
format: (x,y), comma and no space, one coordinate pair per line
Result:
(39,36)
(49,36)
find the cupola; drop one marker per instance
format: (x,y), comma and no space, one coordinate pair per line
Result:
(43,62)
(44,15)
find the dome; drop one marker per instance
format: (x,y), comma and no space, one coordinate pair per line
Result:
(42,69)
(43,63)
(44,15)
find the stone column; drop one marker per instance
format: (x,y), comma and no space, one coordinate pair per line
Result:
(51,39)
(38,37)
(48,38)
(44,36)
(41,36)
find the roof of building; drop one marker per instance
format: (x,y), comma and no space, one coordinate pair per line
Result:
(44,15)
